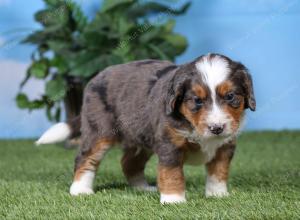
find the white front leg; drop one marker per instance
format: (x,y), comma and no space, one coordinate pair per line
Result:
(84,185)
(215,187)
(172,198)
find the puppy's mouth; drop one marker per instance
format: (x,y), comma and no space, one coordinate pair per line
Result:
(217,136)
(207,134)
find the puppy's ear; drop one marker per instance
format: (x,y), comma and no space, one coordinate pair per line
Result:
(247,84)
(176,90)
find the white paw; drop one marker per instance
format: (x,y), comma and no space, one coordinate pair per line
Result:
(172,198)
(216,193)
(78,189)
(215,188)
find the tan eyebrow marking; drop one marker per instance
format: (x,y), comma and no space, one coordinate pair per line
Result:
(199,91)
(224,88)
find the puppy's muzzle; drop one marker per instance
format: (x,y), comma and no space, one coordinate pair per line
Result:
(216,128)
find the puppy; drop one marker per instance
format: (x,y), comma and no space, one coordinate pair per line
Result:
(185,114)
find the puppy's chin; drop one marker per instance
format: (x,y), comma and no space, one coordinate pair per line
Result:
(207,135)
(217,137)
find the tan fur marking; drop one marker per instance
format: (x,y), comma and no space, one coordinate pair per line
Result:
(235,113)
(219,166)
(171,180)
(224,88)
(187,147)
(196,118)
(93,158)
(199,91)
(177,139)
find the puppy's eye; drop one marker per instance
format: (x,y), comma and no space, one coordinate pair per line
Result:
(229,96)
(198,102)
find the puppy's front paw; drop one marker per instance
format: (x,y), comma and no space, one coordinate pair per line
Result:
(172,198)
(216,193)
(215,188)
(79,189)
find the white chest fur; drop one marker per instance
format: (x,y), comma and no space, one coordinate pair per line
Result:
(207,147)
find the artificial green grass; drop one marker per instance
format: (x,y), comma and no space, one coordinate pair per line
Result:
(264,184)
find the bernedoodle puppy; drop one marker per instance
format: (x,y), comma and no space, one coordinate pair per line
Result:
(185,114)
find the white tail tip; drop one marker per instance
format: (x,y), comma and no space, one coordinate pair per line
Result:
(57,133)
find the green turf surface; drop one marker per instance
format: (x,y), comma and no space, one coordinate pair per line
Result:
(264,184)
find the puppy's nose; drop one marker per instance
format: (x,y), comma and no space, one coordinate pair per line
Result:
(216,128)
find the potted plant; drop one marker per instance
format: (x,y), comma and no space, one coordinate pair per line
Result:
(70,48)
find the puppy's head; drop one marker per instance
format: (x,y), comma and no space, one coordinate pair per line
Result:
(211,93)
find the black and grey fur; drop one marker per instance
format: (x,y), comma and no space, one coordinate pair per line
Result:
(133,104)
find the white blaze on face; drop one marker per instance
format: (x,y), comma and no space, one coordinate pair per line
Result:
(214,71)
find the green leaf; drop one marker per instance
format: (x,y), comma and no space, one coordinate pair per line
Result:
(183,9)
(54,16)
(79,17)
(56,31)
(36,37)
(36,104)
(49,113)
(84,64)
(124,25)
(60,64)
(25,80)
(39,69)
(59,46)
(53,3)
(49,33)
(178,42)
(159,52)
(88,63)
(93,39)
(105,25)
(57,114)
(111,4)
(22,101)
(169,26)
(142,10)
(152,33)
(56,89)
(123,50)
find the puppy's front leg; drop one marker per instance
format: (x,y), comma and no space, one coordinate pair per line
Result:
(217,172)
(171,184)
(170,179)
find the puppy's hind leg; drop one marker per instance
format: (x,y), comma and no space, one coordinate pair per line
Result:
(86,165)
(133,164)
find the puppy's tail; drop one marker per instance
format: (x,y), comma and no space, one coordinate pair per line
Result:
(61,132)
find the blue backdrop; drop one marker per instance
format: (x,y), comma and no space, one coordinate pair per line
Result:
(264,35)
